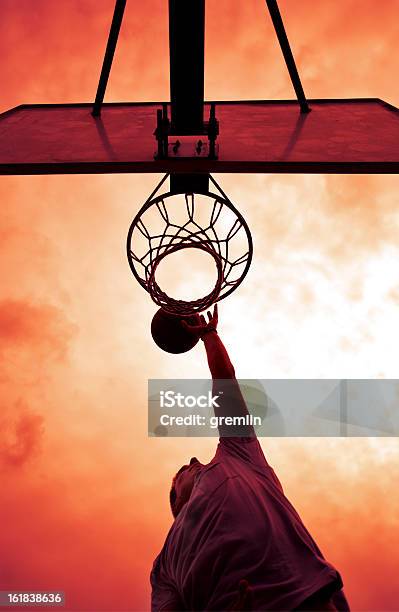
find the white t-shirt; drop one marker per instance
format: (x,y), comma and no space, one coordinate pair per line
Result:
(237,525)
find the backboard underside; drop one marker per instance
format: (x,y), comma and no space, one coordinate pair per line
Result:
(337,136)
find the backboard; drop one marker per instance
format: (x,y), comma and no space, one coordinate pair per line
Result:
(337,136)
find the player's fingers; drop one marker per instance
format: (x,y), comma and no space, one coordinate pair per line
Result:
(203,319)
(209,315)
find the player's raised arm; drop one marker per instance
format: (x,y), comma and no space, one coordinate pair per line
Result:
(232,413)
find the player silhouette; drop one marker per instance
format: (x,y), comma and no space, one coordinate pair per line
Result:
(237,543)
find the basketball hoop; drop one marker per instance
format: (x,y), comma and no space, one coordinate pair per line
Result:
(212,225)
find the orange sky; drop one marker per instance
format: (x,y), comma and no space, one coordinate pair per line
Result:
(84,492)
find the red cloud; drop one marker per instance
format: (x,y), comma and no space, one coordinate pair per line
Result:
(20,436)
(41,328)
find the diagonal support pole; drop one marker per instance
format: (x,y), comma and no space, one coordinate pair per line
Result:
(287,53)
(109,55)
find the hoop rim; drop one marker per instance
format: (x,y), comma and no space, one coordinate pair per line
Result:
(222,199)
(154,289)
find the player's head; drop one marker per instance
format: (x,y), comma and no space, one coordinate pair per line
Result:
(182,485)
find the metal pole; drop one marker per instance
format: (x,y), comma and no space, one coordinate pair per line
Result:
(286,49)
(109,55)
(186,49)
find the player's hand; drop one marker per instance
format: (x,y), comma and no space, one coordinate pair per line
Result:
(200,325)
(244,598)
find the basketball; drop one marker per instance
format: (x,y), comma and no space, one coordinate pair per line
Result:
(170,335)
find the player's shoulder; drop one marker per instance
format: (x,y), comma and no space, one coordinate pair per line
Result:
(242,448)
(245,453)
(211,477)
